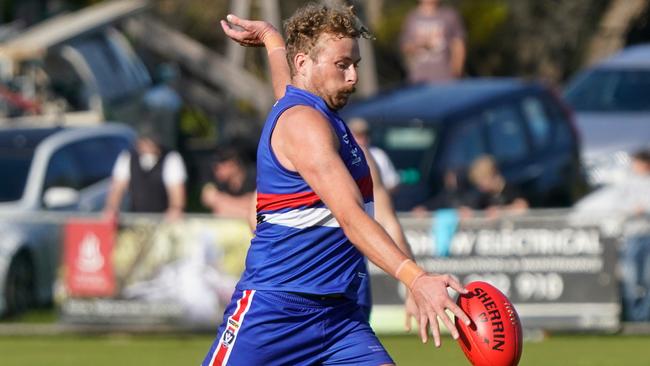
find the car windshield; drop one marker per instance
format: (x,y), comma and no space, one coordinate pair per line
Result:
(16,162)
(605,90)
(407,146)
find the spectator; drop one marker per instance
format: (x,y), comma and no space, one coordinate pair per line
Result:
(155,179)
(628,200)
(452,195)
(433,43)
(231,191)
(635,253)
(360,131)
(494,194)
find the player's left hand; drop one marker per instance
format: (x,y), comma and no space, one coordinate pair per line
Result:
(430,294)
(250,33)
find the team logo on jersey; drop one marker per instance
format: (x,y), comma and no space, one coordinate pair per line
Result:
(228,337)
(354,150)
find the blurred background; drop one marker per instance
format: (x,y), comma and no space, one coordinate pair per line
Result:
(513,136)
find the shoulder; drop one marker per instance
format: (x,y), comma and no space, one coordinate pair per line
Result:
(303,122)
(173,155)
(173,160)
(123,159)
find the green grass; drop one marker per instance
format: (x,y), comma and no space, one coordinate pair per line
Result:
(125,350)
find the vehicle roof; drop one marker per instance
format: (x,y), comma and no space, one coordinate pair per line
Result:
(25,137)
(435,101)
(632,56)
(30,136)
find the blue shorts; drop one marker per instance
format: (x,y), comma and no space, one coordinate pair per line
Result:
(281,328)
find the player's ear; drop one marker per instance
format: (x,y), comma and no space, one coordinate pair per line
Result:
(300,60)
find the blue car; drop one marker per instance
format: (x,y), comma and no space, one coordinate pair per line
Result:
(428,130)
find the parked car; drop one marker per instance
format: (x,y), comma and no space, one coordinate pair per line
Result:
(48,172)
(428,130)
(612,112)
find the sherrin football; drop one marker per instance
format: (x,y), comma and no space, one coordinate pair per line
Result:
(494,338)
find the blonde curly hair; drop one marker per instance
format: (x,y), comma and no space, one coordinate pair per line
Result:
(307,24)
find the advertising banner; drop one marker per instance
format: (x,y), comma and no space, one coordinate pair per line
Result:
(161,273)
(558,276)
(88,245)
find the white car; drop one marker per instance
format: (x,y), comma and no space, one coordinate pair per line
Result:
(47,174)
(612,113)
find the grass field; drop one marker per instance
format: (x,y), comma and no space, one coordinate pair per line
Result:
(125,350)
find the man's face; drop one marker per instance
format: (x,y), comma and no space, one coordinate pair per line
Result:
(332,72)
(225,170)
(145,145)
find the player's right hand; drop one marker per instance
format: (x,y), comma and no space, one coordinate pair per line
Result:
(249,33)
(430,294)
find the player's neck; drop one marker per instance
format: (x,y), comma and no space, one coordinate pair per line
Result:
(301,83)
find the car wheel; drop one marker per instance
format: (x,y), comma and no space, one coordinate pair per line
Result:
(19,288)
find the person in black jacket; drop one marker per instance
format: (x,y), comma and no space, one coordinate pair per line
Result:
(153,175)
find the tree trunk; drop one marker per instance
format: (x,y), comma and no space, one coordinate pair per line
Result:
(613,27)
(235,53)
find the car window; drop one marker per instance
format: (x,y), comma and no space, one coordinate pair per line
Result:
(114,146)
(610,90)
(538,120)
(505,133)
(465,144)
(63,170)
(563,133)
(408,146)
(83,163)
(96,158)
(17,161)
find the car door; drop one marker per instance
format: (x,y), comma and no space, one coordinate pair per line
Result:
(554,148)
(508,142)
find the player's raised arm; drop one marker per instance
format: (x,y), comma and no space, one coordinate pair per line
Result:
(257,33)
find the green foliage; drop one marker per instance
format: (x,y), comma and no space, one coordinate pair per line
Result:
(195,124)
(483,19)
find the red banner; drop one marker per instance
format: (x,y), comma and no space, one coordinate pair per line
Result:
(87,257)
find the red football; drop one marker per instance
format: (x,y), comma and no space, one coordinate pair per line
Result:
(494,338)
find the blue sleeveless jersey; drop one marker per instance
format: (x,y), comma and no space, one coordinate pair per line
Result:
(298,245)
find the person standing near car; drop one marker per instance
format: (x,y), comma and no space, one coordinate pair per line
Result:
(296,300)
(433,43)
(153,176)
(361,132)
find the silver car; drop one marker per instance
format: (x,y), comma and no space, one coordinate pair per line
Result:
(612,105)
(47,175)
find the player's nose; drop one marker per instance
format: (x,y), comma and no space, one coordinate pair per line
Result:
(351,74)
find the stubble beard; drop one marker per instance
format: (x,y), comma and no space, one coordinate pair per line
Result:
(342,97)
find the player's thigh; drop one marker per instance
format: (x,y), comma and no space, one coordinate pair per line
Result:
(353,342)
(272,331)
